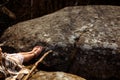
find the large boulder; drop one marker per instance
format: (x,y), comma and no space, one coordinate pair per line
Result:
(42,75)
(85,40)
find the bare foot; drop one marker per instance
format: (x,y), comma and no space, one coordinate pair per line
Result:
(37,50)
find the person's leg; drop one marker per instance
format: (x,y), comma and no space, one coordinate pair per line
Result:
(0,54)
(0,50)
(34,53)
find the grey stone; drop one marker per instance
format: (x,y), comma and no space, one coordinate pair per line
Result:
(85,39)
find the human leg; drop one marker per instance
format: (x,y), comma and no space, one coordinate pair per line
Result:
(0,50)
(34,53)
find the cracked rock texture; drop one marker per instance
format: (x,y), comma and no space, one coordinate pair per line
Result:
(85,39)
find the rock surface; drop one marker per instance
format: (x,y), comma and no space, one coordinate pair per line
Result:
(42,75)
(85,39)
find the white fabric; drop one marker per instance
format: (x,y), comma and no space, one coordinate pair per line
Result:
(12,63)
(17,57)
